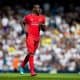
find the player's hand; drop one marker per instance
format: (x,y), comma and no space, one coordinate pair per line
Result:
(42,26)
(26,34)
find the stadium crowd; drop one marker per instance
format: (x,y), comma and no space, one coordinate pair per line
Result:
(59,49)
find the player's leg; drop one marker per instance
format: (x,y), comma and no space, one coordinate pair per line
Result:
(25,61)
(31,57)
(31,50)
(21,68)
(31,65)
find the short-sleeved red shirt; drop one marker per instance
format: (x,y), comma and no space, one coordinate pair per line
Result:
(33,21)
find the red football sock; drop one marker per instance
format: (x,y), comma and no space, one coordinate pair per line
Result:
(25,61)
(31,63)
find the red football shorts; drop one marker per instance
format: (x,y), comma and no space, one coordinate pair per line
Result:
(32,44)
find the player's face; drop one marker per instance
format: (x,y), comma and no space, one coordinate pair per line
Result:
(37,9)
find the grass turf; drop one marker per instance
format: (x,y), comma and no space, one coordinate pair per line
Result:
(40,76)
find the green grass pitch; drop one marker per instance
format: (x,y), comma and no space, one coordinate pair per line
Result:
(40,76)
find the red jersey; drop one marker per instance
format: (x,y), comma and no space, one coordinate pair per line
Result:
(33,21)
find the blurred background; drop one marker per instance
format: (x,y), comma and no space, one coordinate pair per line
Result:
(59,49)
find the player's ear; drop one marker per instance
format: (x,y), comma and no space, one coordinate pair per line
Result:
(40,10)
(33,9)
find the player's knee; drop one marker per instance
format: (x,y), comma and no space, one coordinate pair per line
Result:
(31,54)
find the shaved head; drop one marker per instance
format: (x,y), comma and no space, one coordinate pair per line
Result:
(36,9)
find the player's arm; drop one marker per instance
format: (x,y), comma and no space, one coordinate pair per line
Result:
(43,26)
(24,25)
